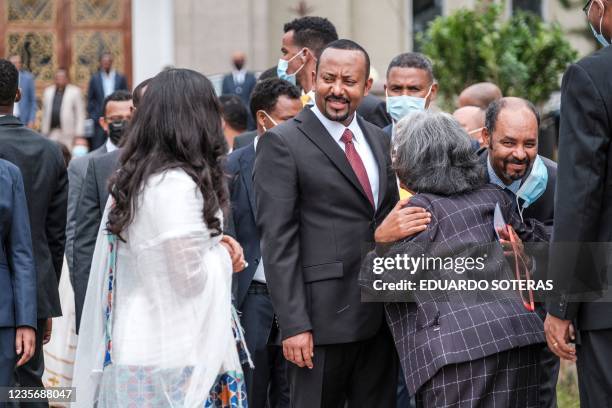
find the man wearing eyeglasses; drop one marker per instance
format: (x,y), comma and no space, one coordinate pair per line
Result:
(583,218)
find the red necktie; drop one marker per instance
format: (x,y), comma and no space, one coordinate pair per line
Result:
(357,164)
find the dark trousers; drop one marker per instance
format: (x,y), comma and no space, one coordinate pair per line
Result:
(266,384)
(30,374)
(549,374)
(595,368)
(359,374)
(8,358)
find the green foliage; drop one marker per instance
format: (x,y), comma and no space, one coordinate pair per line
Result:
(523,55)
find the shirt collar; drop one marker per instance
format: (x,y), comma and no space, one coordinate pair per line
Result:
(336,129)
(493,178)
(255,141)
(110,146)
(111,74)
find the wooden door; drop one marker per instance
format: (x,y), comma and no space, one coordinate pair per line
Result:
(49,34)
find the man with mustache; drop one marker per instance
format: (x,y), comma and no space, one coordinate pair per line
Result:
(511,139)
(323,182)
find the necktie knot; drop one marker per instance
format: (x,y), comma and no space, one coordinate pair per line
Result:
(347,136)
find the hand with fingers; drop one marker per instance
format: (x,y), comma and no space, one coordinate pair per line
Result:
(299,349)
(236,253)
(25,344)
(402,222)
(511,242)
(559,333)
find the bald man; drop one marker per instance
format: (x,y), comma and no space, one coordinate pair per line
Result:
(240,81)
(480,94)
(472,120)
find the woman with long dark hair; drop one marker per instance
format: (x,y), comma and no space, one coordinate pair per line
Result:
(158,327)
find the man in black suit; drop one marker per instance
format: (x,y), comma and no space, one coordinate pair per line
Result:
(102,84)
(511,137)
(240,81)
(46,187)
(273,101)
(583,216)
(323,182)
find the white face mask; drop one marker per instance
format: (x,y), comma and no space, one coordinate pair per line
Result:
(473,132)
(400,106)
(269,117)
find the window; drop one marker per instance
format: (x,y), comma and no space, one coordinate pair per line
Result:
(423,11)
(533,6)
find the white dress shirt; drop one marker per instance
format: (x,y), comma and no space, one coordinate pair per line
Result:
(239,76)
(259,272)
(108,82)
(336,129)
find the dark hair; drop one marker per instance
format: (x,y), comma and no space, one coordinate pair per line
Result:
(350,45)
(495,107)
(138,92)
(233,111)
(266,94)
(117,96)
(433,154)
(312,32)
(66,155)
(9,82)
(268,73)
(104,54)
(179,127)
(412,60)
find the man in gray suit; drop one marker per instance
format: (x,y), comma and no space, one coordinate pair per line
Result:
(88,215)
(117,112)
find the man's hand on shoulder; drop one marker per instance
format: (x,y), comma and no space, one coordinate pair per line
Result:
(401,223)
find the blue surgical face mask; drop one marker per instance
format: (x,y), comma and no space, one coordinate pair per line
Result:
(281,69)
(534,186)
(400,106)
(79,151)
(598,35)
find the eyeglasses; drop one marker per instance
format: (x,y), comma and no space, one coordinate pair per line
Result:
(585,9)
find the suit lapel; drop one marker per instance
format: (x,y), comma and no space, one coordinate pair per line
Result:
(313,129)
(247,161)
(381,159)
(100,84)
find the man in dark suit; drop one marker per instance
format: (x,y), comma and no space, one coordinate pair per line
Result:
(88,215)
(240,81)
(46,186)
(511,137)
(273,101)
(17,275)
(117,110)
(26,109)
(103,83)
(323,182)
(583,216)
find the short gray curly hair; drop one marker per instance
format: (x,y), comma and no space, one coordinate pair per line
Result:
(433,154)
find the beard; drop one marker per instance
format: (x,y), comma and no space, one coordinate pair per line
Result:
(333,114)
(516,176)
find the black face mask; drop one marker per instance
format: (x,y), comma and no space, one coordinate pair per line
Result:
(238,65)
(116,129)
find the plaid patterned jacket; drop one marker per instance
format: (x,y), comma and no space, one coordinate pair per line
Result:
(438,328)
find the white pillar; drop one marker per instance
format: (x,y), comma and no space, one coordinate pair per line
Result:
(152,37)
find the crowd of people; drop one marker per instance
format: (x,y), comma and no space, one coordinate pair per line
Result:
(215,249)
